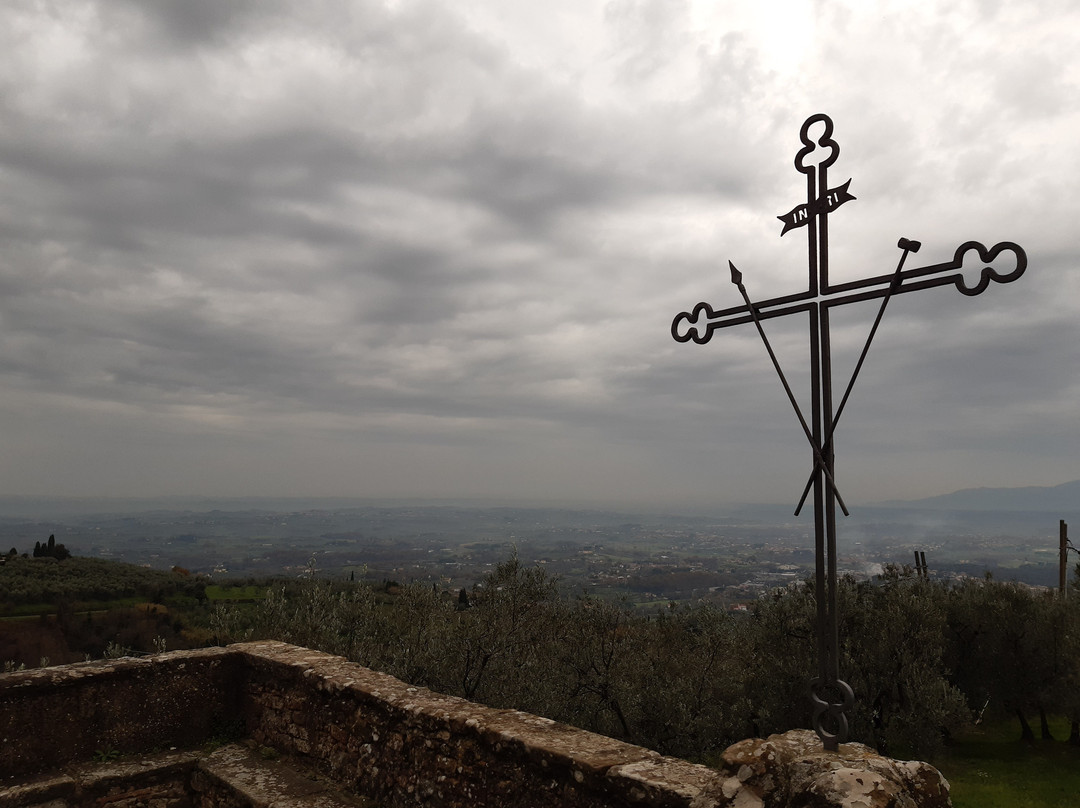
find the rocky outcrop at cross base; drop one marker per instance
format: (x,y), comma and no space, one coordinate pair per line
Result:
(793,771)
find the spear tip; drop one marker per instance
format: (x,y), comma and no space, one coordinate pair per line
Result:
(736,276)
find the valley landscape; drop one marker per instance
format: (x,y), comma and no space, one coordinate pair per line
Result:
(732,554)
(697,617)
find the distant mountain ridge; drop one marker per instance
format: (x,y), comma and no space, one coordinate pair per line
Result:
(1064,497)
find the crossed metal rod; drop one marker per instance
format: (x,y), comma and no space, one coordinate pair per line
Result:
(819,459)
(908,246)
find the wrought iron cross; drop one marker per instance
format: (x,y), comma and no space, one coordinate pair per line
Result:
(830,695)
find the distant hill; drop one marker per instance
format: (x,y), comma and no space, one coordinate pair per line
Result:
(1064,498)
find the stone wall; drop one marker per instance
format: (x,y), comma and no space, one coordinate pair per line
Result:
(51,716)
(376,736)
(388,739)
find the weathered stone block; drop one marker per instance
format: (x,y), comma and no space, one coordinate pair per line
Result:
(792,770)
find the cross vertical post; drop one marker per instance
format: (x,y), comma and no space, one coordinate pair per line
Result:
(831,697)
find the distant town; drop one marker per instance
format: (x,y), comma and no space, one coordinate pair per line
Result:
(729,557)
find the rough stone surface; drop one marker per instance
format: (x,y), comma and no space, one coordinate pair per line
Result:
(229,777)
(38,791)
(322,731)
(153,781)
(236,775)
(410,746)
(50,716)
(792,770)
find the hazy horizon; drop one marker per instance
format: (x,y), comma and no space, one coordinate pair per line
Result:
(21,506)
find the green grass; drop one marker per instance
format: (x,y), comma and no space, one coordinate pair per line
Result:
(27,611)
(988,767)
(215,592)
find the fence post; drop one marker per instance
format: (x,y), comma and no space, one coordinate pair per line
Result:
(1063,556)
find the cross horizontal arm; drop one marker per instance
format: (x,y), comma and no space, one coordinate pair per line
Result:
(943,274)
(736,315)
(700,324)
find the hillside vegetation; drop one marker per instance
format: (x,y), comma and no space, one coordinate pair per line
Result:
(26,581)
(58,610)
(923,657)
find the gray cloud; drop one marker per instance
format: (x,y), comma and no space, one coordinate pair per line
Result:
(397,248)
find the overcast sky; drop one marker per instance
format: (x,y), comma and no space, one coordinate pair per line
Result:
(424,249)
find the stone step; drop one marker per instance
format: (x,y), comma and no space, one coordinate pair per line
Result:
(236,776)
(257,778)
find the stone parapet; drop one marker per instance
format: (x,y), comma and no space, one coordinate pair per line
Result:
(394,741)
(380,739)
(52,716)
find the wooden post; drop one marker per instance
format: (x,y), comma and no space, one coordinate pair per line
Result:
(1063,555)
(921,570)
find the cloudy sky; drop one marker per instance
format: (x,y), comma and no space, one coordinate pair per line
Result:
(414,248)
